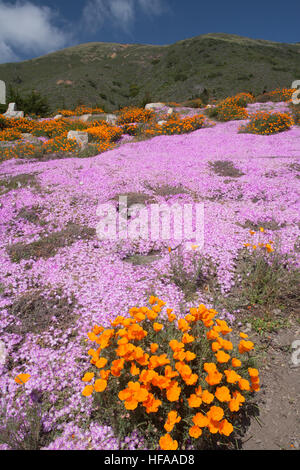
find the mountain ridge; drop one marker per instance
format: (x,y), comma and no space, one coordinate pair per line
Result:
(114,75)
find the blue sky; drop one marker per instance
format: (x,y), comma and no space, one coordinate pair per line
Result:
(32,28)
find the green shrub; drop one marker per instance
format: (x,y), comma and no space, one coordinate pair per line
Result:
(33,103)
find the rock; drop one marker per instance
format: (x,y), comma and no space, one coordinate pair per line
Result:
(161,123)
(31,138)
(58,116)
(111,119)
(97,117)
(12,112)
(84,117)
(248,328)
(2,92)
(82,138)
(170,111)
(154,105)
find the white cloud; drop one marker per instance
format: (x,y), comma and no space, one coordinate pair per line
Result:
(121,13)
(27,28)
(152,7)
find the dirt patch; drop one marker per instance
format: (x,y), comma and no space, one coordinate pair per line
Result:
(45,157)
(271,174)
(18,181)
(142,260)
(225,168)
(277,427)
(167,190)
(49,244)
(267,225)
(38,310)
(32,215)
(134,198)
(295,167)
(259,197)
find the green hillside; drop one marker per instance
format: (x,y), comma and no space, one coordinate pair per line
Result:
(112,75)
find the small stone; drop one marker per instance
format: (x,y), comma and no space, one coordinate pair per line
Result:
(84,117)
(82,138)
(154,105)
(111,119)
(12,112)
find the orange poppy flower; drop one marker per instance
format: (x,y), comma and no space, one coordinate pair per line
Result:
(173,419)
(195,432)
(134,370)
(22,378)
(131,404)
(88,376)
(209,367)
(223,394)
(101,363)
(211,334)
(215,413)
(245,346)
(244,335)
(88,390)
(252,372)
(226,428)
(214,378)
(176,345)
(173,392)
(153,347)
(167,443)
(231,376)
(100,385)
(104,374)
(222,357)
(157,326)
(207,397)
(186,338)
(194,401)
(236,362)
(215,346)
(244,384)
(183,325)
(200,420)
(189,356)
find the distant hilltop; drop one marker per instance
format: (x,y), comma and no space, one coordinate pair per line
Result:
(111,75)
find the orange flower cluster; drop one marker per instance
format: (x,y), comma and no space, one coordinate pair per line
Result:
(101,131)
(265,123)
(10,134)
(296,114)
(79,111)
(228,110)
(241,99)
(283,94)
(133,114)
(60,144)
(176,125)
(49,128)
(163,379)
(267,246)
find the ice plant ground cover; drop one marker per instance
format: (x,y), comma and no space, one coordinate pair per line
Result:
(58,280)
